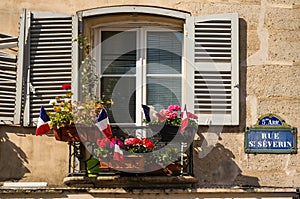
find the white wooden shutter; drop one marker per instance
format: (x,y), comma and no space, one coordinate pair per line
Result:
(8,80)
(213,69)
(49,58)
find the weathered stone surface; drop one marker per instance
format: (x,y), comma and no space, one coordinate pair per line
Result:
(116,181)
(273,81)
(284,46)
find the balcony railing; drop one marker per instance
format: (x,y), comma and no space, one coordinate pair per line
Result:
(178,150)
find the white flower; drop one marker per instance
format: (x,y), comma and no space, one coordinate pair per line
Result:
(80,107)
(66,99)
(53,102)
(152,114)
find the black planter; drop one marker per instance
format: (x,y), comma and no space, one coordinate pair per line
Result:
(168,133)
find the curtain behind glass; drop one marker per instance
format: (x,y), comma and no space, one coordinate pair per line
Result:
(118,62)
(164,53)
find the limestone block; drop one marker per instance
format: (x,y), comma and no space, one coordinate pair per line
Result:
(288,109)
(282,18)
(284,46)
(273,81)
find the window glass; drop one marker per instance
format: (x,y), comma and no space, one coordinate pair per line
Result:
(164,52)
(158,79)
(118,52)
(122,91)
(161,92)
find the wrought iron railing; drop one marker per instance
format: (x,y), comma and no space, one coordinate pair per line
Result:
(78,158)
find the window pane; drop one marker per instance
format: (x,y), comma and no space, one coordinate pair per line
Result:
(122,91)
(164,50)
(161,92)
(118,52)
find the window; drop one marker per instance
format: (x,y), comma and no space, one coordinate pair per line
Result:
(203,58)
(139,66)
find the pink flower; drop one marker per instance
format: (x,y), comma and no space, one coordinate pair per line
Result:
(117,141)
(102,143)
(174,108)
(161,118)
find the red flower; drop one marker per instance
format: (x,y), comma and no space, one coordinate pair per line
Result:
(102,143)
(117,141)
(66,86)
(148,143)
(133,141)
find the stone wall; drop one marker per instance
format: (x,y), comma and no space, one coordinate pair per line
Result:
(269,83)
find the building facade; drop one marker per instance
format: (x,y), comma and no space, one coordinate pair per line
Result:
(245,52)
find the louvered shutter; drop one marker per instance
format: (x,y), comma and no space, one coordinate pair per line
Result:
(50,60)
(213,72)
(8,80)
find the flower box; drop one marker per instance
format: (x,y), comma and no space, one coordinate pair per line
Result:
(168,132)
(88,133)
(66,134)
(131,164)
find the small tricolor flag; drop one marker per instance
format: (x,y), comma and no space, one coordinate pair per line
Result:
(43,126)
(103,124)
(146,112)
(185,121)
(118,153)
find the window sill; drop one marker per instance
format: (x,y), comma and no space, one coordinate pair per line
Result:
(116,181)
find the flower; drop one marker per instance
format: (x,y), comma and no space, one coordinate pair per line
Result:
(86,113)
(67,113)
(103,150)
(66,86)
(138,145)
(172,116)
(62,114)
(104,147)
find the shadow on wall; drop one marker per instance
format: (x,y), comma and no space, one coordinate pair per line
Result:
(218,168)
(12,160)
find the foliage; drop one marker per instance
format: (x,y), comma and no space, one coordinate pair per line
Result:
(87,113)
(87,110)
(169,155)
(65,113)
(103,148)
(62,107)
(89,77)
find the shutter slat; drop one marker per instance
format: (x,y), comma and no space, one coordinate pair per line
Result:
(49,52)
(212,34)
(39,78)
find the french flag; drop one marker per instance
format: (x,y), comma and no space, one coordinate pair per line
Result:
(43,126)
(103,124)
(118,153)
(185,121)
(146,112)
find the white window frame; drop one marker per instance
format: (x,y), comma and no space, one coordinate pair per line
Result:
(141,64)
